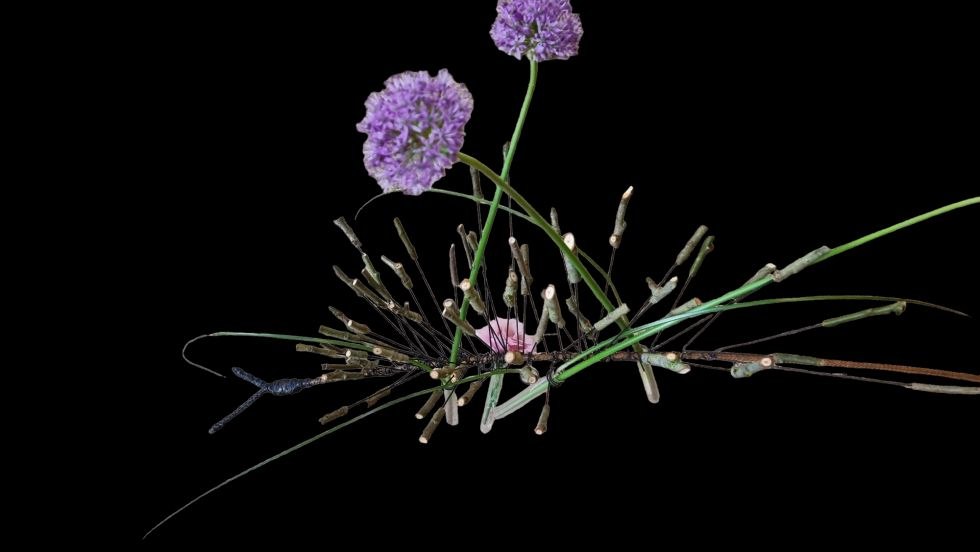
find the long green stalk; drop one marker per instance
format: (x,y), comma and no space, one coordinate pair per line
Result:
(895,227)
(497,196)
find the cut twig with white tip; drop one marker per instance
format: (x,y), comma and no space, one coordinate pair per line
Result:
(616,239)
(471,391)
(391,355)
(657,293)
(362,291)
(747,369)
(570,271)
(799,264)
(451,312)
(349,232)
(399,270)
(510,289)
(342,276)
(430,428)
(692,243)
(369,266)
(405,311)
(611,318)
(554,309)
(473,296)
(441,373)
(542,425)
(514,358)
(522,265)
(670,361)
(339,315)
(358,327)
(430,403)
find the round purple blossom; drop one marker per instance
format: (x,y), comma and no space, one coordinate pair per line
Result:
(414,129)
(539,29)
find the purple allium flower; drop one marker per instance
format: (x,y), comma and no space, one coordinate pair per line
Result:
(539,29)
(509,331)
(414,129)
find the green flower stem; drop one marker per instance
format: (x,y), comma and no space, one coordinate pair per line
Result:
(497,196)
(896,227)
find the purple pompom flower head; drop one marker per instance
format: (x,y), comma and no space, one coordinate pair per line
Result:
(414,129)
(539,29)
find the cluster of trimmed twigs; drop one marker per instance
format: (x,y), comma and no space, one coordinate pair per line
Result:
(566,338)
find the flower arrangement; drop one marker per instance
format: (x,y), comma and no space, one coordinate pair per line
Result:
(415,129)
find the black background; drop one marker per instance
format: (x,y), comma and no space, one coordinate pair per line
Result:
(780,131)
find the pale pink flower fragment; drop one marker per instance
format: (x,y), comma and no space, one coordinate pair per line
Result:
(509,331)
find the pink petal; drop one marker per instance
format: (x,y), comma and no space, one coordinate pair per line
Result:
(507,330)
